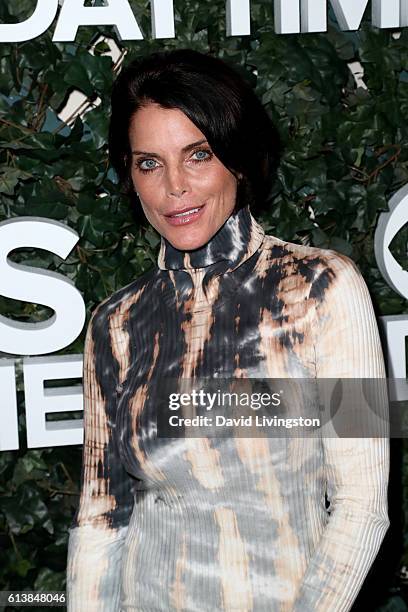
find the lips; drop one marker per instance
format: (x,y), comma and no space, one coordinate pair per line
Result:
(184,211)
(186,215)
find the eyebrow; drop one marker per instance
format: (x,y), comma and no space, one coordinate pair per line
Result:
(184,149)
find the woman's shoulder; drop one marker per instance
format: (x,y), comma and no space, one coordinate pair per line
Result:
(309,261)
(116,306)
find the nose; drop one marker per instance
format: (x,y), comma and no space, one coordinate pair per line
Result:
(177,182)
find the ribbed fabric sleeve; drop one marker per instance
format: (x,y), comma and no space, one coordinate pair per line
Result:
(101,522)
(347,346)
(231,522)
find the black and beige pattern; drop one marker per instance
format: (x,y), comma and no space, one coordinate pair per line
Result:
(208,524)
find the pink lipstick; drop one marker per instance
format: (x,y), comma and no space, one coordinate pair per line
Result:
(185,216)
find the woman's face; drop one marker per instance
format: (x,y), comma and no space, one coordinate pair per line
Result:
(174,171)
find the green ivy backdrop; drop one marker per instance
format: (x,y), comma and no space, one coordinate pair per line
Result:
(345,155)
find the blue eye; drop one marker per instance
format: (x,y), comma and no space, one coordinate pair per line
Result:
(201,154)
(149,164)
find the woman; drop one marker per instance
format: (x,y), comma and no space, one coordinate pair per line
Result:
(218,523)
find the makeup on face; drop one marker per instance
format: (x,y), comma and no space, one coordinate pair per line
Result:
(185,191)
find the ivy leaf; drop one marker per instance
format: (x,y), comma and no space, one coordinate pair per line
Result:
(10,177)
(24,510)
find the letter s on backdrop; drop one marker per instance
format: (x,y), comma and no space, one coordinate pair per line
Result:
(37,24)
(37,286)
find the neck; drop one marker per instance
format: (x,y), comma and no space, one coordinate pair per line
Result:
(235,241)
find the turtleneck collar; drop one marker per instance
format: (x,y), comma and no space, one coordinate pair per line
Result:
(234,243)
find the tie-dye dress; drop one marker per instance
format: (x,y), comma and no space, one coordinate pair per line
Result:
(231,523)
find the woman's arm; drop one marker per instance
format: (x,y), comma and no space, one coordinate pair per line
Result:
(100,525)
(347,346)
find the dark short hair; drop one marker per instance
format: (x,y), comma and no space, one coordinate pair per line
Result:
(216,99)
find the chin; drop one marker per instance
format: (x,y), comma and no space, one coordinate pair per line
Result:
(188,243)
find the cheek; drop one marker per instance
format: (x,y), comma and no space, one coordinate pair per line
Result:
(143,186)
(221,182)
(136,180)
(150,213)
(229,190)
